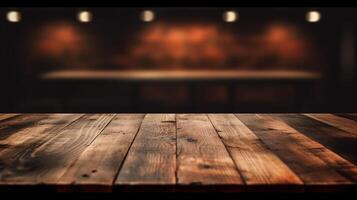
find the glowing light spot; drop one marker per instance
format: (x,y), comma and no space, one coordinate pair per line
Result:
(230,16)
(148,16)
(13,16)
(313,16)
(84,16)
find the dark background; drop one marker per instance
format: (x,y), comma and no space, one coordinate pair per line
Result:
(270,38)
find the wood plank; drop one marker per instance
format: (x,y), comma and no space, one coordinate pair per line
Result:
(151,160)
(350,116)
(12,126)
(30,129)
(296,151)
(341,165)
(336,121)
(47,162)
(4,116)
(75,152)
(202,158)
(97,167)
(247,150)
(339,141)
(23,142)
(21,131)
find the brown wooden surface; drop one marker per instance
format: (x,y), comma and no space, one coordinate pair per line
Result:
(247,150)
(7,116)
(342,123)
(336,139)
(202,158)
(178,152)
(152,157)
(98,164)
(298,152)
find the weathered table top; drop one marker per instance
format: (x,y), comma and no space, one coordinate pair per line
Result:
(178,152)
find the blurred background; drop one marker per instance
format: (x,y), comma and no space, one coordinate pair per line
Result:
(224,59)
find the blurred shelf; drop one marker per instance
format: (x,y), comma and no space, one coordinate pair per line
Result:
(181,75)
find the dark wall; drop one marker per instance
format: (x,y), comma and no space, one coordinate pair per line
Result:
(179,38)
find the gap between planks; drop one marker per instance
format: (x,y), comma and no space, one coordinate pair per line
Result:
(299,151)
(213,130)
(261,169)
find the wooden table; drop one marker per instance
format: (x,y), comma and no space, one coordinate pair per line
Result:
(178,152)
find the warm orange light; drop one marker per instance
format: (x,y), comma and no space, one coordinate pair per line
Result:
(13,16)
(84,16)
(176,46)
(58,39)
(148,16)
(195,45)
(286,41)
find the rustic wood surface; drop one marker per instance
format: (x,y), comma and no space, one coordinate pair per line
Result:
(178,152)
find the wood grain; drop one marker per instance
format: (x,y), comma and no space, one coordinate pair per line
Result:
(248,150)
(4,116)
(336,121)
(351,116)
(151,159)
(96,168)
(27,131)
(337,140)
(295,151)
(183,152)
(341,165)
(47,162)
(202,159)
(12,126)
